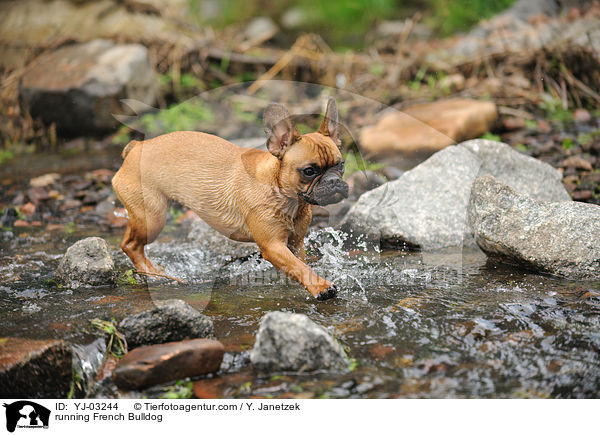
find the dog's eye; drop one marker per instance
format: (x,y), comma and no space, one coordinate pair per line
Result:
(309,172)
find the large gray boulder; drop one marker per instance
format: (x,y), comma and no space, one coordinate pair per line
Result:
(79,87)
(293,342)
(170,320)
(426,207)
(523,173)
(560,238)
(86,263)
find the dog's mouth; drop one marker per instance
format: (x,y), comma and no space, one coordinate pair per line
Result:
(326,196)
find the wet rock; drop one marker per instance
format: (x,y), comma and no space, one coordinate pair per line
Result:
(428,127)
(171,320)
(88,83)
(87,361)
(86,263)
(293,342)
(557,238)
(523,173)
(427,206)
(34,368)
(161,363)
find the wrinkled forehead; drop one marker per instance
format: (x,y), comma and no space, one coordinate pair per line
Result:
(316,147)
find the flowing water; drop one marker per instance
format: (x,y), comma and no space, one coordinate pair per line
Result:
(443,324)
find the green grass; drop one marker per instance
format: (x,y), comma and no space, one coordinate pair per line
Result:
(449,16)
(5,156)
(567,143)
(491,136)
(353,164)
(333,19)
(180,390)
(189,115)
(128,278)
(553,109)
(116,346)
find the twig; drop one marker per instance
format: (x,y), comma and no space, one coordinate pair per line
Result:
(160,275)
(503,110)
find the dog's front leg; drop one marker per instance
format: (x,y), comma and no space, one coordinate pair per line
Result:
(272,239)
(301,223)
(276,252)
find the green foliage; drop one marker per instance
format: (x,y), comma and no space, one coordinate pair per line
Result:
(188,115)
(334,19)
(377,69)
(76,384)
(128,278)
(450,16)
(69,228)
(588,138)
(5,155)
(567,143)
(180,390)
(188,84)
(531,124)
(353,364)
(522,147)
(117,345)
(354,162)
(491,136)
(553,109)
(122,137)
(242,115)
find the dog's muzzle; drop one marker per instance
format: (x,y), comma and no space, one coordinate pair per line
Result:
(329,190)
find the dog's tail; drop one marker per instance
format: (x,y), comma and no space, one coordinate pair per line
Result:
(129,147)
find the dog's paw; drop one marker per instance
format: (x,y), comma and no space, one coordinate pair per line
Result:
(328,293)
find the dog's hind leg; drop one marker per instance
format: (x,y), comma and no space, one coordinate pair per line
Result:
(147,210)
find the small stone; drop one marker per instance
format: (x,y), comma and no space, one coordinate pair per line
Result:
(544,127)
(582,115)
(44,180)
(293,342)
(86,263)
(577,163)
(152,365)
(34,368)
(582,195)
(513,123)
(428,127)
(28,209)
(171,320)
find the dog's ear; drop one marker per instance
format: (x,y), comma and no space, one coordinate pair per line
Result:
(330,124)
(281,131)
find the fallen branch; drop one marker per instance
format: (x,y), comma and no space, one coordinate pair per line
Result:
(160,275)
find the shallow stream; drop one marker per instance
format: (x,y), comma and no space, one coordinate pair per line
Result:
(443,324)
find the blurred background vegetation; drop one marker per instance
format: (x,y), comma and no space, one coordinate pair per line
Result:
(344,23)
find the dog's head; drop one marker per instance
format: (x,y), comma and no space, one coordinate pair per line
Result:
(311,164)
